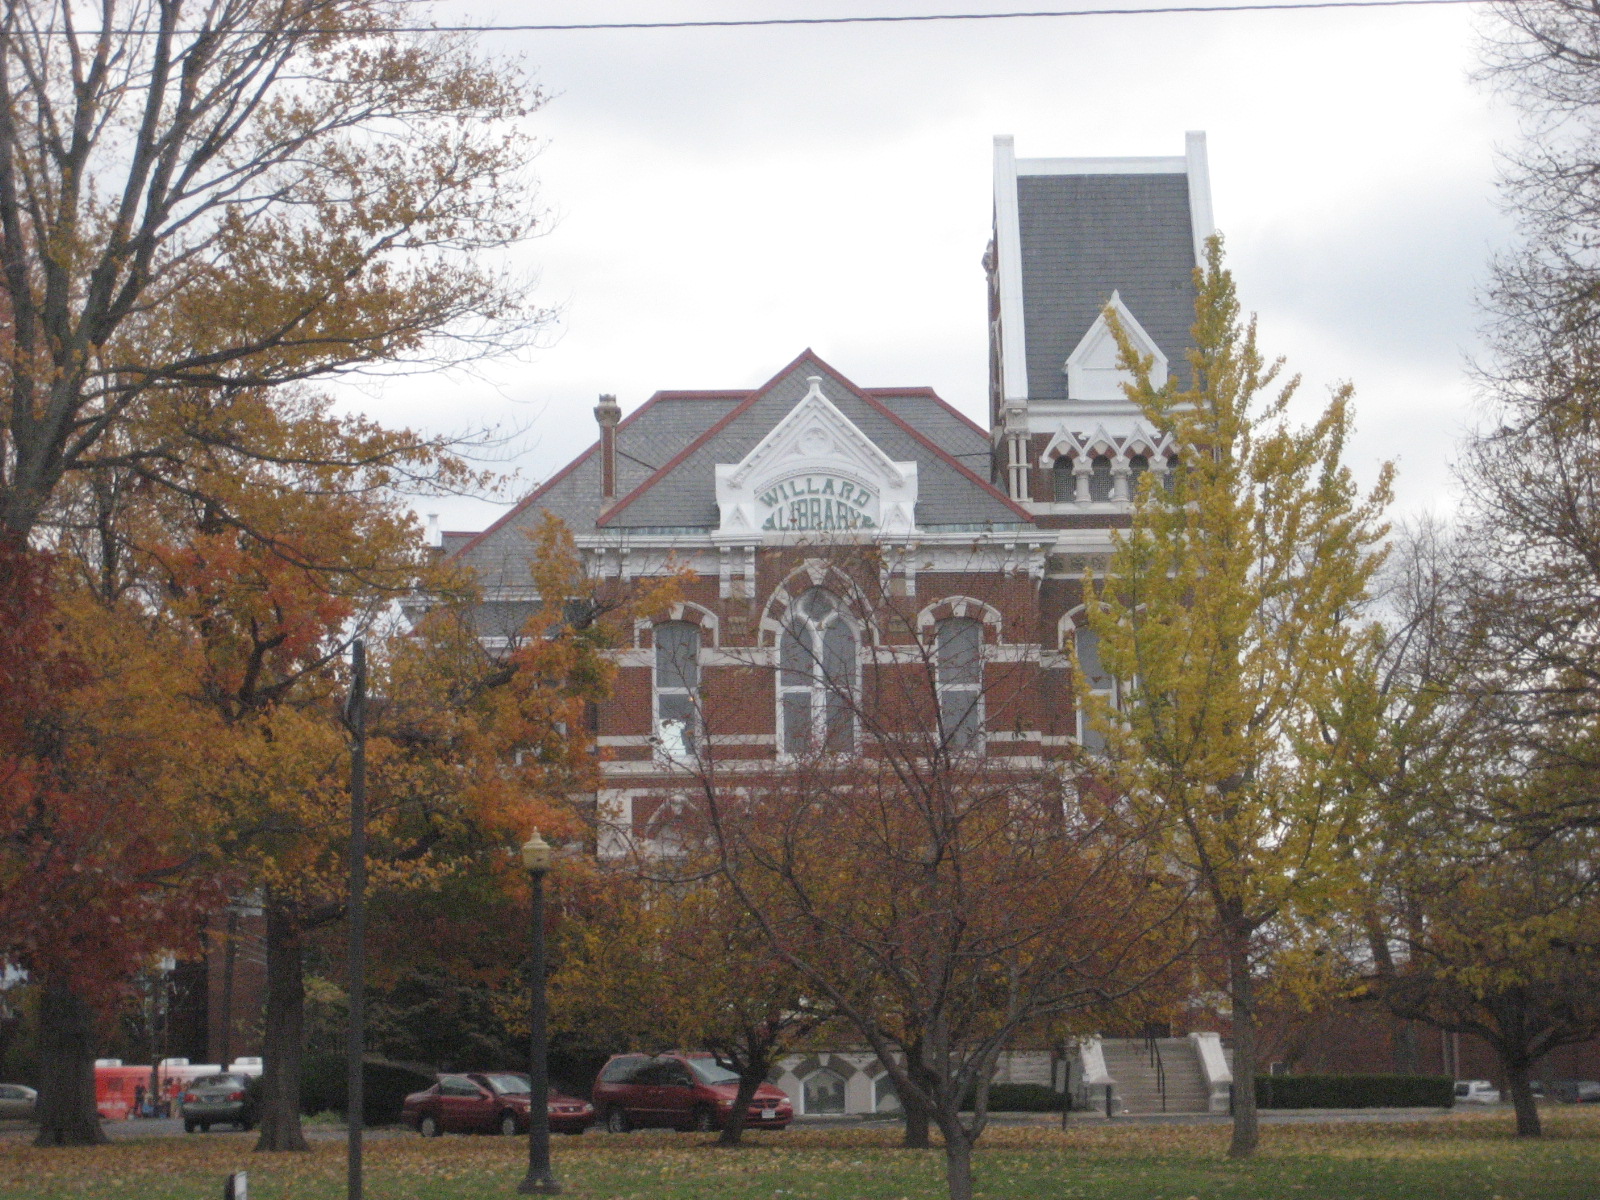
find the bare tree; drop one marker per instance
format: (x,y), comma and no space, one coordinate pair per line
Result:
(924,869)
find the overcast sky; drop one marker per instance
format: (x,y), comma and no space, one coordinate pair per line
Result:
(722,199)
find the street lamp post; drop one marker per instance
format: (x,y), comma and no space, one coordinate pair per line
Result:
(540,1181)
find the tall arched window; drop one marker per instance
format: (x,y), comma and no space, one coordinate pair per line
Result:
(1087,643)
(677,688)
(1137,466)
(1102,483)
(817,676)
(1066,482)
(959,670)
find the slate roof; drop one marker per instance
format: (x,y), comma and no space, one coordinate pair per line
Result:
(647,438)
(907,426)
(667,451)
(1083,236)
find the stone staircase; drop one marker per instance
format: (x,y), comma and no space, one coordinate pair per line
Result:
(1138,1082)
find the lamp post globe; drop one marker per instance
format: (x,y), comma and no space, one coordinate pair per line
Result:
(540,1180)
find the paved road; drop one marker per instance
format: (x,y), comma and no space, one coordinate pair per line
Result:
(173,1127)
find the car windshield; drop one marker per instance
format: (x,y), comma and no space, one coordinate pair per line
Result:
(218,1081)
(709,1072)
(1462,1089)
(509,1085)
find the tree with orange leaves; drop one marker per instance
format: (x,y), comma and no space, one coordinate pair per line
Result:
(104,859)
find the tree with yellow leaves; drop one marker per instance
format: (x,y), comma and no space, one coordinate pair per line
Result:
(1230,614)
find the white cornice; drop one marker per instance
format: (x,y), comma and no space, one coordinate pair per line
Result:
(1008,269)
(1199,171)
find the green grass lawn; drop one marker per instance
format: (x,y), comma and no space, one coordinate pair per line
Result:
(1465,1157)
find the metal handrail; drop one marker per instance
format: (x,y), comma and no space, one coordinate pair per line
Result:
(1154,1050)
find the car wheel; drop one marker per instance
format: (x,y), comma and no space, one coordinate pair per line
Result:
(244,1126)
(617,1121)
(705,1121)
(205,1126)
(508,1125)
(189,1127)
(429,1126)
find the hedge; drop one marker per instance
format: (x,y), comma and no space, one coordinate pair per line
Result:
(1355,1091)
(1021,1097)
(324,1083)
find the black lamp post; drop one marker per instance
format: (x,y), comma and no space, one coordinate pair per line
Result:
(539,1181)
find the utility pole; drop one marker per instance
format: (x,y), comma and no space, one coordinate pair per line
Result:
(356,720)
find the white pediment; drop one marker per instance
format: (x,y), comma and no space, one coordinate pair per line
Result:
(815,472)
(1093,372)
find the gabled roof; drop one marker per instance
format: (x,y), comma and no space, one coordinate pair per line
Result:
(683,492)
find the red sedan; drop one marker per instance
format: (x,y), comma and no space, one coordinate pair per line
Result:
(490,1102)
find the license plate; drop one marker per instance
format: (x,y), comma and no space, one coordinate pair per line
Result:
(769,1113)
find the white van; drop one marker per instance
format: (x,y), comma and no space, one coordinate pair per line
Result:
(1476,1091)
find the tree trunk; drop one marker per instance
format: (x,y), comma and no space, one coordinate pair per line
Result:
(1241,987)
(1516,1069)
(751,1077)
(66,1108)
(1406,1054)
(284,1037)
(957,1157)
(919,1121)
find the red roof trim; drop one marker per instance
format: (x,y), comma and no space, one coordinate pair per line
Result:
(524,504)
(866,394)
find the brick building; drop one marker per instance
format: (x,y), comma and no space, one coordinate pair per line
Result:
(777,501)
(981,534)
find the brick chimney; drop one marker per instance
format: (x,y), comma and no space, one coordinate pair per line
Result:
(607,414)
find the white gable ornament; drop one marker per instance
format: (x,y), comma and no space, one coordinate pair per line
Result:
(816,473)
(1092,369)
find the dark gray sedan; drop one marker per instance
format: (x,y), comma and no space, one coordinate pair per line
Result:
(217,1100)
(16,1100)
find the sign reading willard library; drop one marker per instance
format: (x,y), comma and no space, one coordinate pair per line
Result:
(813,502)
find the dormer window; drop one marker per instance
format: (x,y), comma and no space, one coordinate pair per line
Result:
(1093,369)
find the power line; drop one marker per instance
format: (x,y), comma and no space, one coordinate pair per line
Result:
(885,19)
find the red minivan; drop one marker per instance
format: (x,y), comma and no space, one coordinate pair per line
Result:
(680,1091)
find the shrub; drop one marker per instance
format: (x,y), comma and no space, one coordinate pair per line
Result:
(1021,1097)
(1354,1091)
(324,1083)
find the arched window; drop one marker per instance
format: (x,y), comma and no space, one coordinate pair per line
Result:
(822,1092)
(1102,483)
(1066,482)
(817,676)
(1087,643)
(677,681)
(1137,466)
(959,676)
(885,1099)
